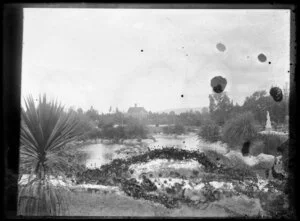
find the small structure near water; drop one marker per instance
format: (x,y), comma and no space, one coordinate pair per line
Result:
(269,129)
(268,123)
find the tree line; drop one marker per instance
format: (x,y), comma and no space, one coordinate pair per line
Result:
(221,109)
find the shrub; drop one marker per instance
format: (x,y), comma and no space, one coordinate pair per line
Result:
(119,133)
(93,133)
(86,127)
(240,129)
(271,142)
(42,198)
(257,147)
(177,129)
(166,130)
(136,130)
(209,131)
(133,130)
(108,131)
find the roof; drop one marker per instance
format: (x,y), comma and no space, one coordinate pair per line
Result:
(136,110)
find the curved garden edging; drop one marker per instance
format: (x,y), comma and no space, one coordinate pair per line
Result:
(245,182)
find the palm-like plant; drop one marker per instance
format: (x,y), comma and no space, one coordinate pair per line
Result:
(45,130)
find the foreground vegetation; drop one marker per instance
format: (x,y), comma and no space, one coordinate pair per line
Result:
(244,181)
(51,139)
(45,131)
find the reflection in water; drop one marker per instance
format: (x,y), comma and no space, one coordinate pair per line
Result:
(101,153)
(189,141)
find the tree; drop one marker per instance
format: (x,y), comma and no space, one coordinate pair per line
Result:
(79,111)
(236,109)
(260,102)
(204,110)
(220,107)
(92,114)
(209,131)
(45,131)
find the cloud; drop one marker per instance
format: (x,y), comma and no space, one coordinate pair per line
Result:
(93,57)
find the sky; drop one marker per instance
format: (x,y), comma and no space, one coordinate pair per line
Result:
(119,57)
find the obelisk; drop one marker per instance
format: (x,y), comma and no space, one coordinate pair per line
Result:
(268,123)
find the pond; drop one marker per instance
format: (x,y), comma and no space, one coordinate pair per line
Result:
(103,152)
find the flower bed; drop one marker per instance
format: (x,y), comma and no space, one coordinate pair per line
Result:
(213,182)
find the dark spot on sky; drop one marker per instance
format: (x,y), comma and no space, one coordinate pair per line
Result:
(142,50)
(221,47)
(187,55)
(269,62)
(182,95)
(288,71)
(245,148)
(262,57)
(183,141)
(218,89)
(276,93)
(218,84)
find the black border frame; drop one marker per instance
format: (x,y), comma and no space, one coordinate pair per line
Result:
(11,82)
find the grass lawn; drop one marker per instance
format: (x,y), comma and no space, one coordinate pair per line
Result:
(112,204)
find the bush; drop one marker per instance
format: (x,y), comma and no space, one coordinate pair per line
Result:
(132,130)
(108,131)
(119,133)
(93,134)
(42,198)
(177,129)
(240,129)
(257,147)
(166,130)
(209,131)
(271,142)
(136,130)
(86,128)
(231,160)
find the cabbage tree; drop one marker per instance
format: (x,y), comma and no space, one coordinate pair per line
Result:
(45,130)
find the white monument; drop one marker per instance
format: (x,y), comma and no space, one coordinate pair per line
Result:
(268,123)
(269,130)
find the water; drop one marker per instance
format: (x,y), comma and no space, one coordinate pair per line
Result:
(103,153)
(99,154)
(189,141)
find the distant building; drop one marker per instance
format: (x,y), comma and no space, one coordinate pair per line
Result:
(137,112)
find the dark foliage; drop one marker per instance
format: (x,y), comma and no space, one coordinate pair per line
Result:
(240,129)
(210,131)
(177,129)
(271,143)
